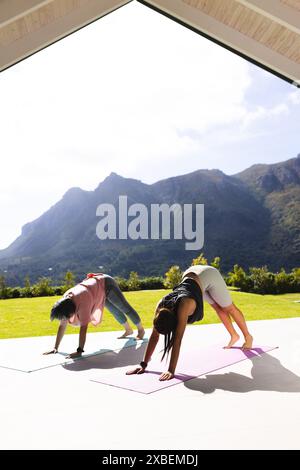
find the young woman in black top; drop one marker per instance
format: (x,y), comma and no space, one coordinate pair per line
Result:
(184,305)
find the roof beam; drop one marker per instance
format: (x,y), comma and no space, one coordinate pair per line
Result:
(276,11)
(11,10)
(234,40)
(44,24)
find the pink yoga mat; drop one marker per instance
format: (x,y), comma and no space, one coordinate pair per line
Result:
(191,364)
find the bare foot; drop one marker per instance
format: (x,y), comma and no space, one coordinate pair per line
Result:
(125,334)
(141,334)
(233,340)
(248,342)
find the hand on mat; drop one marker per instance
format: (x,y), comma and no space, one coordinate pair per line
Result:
(166,376)
(53,351)
(74,355)
(138,370)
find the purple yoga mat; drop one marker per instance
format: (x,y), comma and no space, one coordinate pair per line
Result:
(191,364)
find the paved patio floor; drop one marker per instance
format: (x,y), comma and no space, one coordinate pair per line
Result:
(254,404)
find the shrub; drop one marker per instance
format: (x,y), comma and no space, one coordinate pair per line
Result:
(15,293)
(69,280)
(216,263)
(3,288)
(133,281)
(173,277)
(238,278)
(59,290)
(263,281)
(152,283)
(43,287)
(283,282)
(122,283)
(296,279)
(200,260)
(26,291)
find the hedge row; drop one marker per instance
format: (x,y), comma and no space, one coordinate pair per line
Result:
(262,281)
(44,288)
(256,280)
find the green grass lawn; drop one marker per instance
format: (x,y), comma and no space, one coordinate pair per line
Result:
(30,317)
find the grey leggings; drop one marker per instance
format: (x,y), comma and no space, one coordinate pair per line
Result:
(117,304)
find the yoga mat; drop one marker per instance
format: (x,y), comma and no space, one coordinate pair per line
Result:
(191,364)
(26,354)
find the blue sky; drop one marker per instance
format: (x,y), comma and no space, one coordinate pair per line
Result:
(137,94)
(281,135)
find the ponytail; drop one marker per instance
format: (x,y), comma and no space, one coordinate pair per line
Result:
(165,322)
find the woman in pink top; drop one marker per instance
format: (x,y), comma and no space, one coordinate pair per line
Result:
(84,304)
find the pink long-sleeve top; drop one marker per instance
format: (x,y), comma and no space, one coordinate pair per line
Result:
(89,299)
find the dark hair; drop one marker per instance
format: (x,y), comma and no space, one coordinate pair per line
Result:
(62,309)
(165,322)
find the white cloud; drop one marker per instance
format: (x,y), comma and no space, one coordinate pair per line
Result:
(261,113)
(294,97)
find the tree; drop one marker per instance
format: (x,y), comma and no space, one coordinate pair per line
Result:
(296,279)
(27,288)
(296,274)
(263,280)
(3,288)
(43,287)
(122,283)
(216,263)
(173,277)
(133,281)
(200,260)
(69,280)
(238,278)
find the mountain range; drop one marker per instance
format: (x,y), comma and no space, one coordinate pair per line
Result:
(251,218)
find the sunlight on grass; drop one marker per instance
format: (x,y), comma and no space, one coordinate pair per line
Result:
(30,317)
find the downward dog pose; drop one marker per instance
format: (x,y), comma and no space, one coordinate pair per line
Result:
(84,304)
(185,305)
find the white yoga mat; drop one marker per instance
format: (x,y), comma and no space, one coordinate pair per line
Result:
(26,354)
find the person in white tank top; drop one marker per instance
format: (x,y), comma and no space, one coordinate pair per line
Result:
(215,292)
(171,318)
